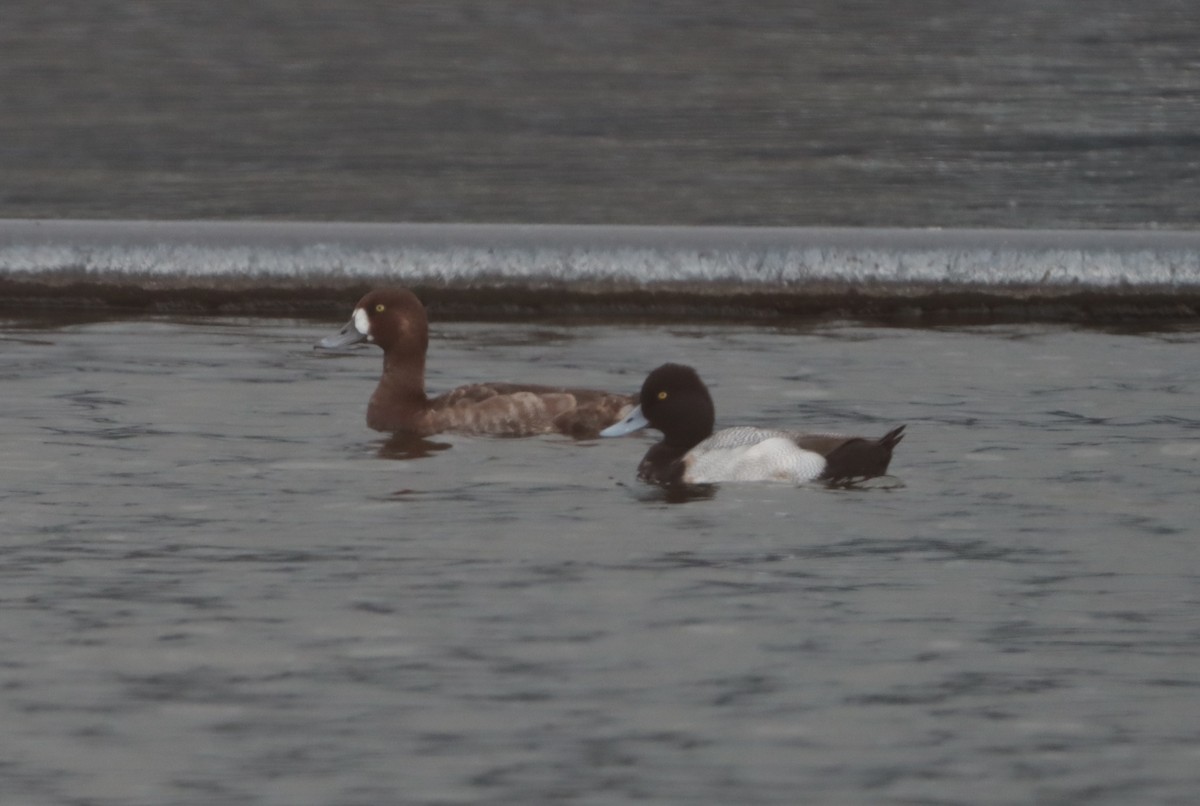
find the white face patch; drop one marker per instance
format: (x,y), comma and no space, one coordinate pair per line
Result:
(361,323)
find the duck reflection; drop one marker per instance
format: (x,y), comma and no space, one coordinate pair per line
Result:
(410,446)
(676,493)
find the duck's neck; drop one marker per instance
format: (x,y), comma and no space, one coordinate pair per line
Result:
(685,437)
(685,433)
(400,395)
(663,463)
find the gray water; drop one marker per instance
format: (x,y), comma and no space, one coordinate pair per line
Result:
(219,587)
(1028,113)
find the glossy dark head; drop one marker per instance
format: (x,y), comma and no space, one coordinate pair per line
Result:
(673,398)
(675,401)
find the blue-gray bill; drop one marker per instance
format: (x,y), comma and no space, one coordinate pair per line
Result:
(634,421)
(348,335)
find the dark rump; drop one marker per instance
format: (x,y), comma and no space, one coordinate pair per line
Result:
(861,458)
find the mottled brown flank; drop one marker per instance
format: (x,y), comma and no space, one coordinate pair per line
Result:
(399,404)
(525,410)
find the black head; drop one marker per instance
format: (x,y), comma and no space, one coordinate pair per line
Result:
(675,401)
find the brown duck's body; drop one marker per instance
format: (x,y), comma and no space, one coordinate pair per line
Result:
(504,409)
(395,320)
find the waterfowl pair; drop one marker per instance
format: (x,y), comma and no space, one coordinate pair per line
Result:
(675,401)
(395,319)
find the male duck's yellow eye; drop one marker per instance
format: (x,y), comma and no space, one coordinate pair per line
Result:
(662,395)
(379,308)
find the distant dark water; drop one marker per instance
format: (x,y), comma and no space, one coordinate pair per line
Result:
(1027,114)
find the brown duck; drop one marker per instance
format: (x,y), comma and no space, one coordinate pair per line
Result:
(394,319)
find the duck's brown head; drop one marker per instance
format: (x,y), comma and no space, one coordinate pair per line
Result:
(393,318)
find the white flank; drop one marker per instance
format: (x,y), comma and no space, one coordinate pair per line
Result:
(751,454)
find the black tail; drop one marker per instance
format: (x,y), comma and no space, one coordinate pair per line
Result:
(892,438)
(862,458)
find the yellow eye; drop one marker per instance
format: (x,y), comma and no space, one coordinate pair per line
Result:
(662,395)
(379,308)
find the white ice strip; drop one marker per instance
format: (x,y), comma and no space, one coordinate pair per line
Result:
(629,256)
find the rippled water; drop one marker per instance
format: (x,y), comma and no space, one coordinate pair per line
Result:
(218,586)
(1031,113)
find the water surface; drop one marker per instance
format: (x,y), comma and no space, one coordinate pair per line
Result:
(1033,113)
(218,586)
